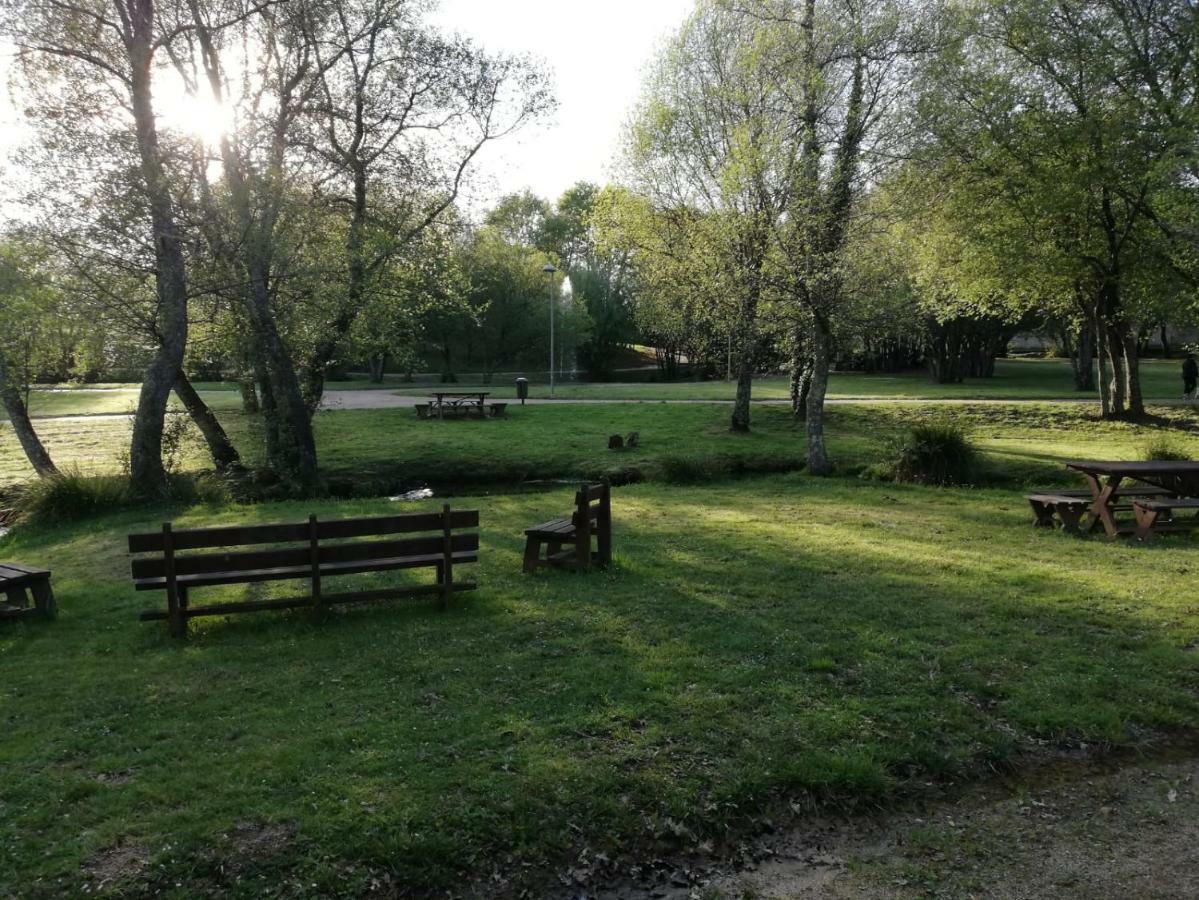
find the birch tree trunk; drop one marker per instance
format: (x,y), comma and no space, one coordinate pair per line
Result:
(18,417)
(146,471)
(224,454)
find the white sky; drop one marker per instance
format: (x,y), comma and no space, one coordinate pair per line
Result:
(597,51)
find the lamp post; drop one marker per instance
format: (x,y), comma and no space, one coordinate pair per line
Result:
(550,271)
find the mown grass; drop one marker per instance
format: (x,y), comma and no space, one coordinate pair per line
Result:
(1015,379)
(779,638)
(372,451)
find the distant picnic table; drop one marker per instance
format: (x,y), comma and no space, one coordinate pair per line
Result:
(458,403)
(1177,480)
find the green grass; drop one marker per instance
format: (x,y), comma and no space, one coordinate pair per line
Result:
(1015,379)
(381,450)
(780,638)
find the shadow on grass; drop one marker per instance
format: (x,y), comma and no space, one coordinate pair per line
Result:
(778,638)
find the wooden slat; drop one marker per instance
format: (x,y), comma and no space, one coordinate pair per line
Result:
(595,491)
(405,524)
(206,579)
(1177,503)
(220,609)
(222,562)
(231,536)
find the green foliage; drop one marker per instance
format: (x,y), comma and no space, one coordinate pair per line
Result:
(937,453)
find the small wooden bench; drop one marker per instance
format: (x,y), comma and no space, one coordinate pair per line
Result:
(1151,513)
(422,410)
(1070,505)
(315,550)
(592,516)
(498,410)
(17,582)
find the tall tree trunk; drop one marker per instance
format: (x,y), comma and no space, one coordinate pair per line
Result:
(1132,375)
(18,417)
(249,397)
(1082,358)
(224,455)
(801,378)
(818,462)
(146,471)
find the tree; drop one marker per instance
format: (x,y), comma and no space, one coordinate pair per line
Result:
(28,305)
(78,60)
(1038,100)
(713,133)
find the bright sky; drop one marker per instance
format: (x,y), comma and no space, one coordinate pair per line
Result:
(597,51)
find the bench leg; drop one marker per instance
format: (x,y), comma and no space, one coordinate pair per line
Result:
(1146,519)
(43,598)
(1071,517)
(532,554)
(1042,513)
(17,597)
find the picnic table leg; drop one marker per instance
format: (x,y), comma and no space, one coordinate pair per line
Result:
(43,598)
(1146,519)
(532,554)
(1101,509)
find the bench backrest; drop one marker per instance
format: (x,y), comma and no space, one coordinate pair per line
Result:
(593,513)
(164,553)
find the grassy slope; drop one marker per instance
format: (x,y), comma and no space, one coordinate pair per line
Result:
(778,636)
(392,448)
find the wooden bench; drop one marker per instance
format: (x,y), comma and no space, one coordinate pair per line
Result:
(498,409)
(422,410)
(592,516)
(1151,513)
(314,550)
(17,582)
(1070,505)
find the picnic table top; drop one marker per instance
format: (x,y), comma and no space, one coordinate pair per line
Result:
(1135,468)
(16,575)
(460,394)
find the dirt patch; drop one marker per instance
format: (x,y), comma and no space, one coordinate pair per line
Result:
(114,866)
(252,841)
(1076,832)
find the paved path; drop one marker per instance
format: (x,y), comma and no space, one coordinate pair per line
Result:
(387,399)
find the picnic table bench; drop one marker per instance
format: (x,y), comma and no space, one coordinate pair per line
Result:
(313,551)
(1158,515)
(1070,506)
(17,582)
(1174,479)
(592,516)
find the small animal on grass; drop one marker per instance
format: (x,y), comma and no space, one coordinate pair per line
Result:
(616,442)
(633,440)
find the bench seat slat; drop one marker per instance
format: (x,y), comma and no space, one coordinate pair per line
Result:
(253,560)
(280,573)
(1177,503)
(220,609)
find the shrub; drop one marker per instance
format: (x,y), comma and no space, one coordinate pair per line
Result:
(936,453)
(70,495)
(1162,447)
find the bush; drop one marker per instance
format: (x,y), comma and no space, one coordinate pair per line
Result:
(937,453)
(70,495)
(1162,447)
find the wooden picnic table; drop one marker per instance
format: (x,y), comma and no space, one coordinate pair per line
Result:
(1104,477)
(458,400)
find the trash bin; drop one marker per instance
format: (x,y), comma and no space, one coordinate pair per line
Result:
(522,390)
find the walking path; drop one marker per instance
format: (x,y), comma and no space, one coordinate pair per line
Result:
(386,399)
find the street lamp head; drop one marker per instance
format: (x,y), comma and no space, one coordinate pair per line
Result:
(549,269)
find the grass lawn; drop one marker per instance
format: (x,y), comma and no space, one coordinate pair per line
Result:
(767,639)
(389,449)
(1015,379)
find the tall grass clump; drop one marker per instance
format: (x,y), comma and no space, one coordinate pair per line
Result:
(935,453)
(1163,447)
(70,495)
